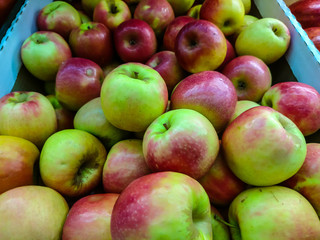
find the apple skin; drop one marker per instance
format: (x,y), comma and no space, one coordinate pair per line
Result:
(166,63)
(89,218)
(111,13)
(252,150)
(247,20)
(242,106)
(132,96)
(247,6)
(220,231)
(89,5)
(18,157)
(32,212)
(210,93)
(135,41)
(78,81)
(181,7)
(71,162)
(160,206)
(181,140)
(58,16)
(200,46)
(125,163)
(250,76)
(298,101)
(92,41)
(42,54)
(194,11)
(266,38)
(306,13)
(273,212)
(28,115)
(231,54)
(314,35)
(227,15)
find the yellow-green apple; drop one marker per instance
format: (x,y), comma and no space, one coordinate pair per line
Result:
(111,13)
(306,12)
(220,231)
(250,76)
(163,205)
(78,81)
(135,41)
(263,147)
(314,35)
(199,46)
(28,115)
(298,101)
(90,118)
(194,11)
(157,13)
(231,54)
(92,40)
(181,7)
(133,95)
(266,38)
(89,5)
(210,93)
(89,218)
(181,140)
(32,212)
(172,31)
(71,162)
(42,54)
(273,212)
(17,160)
(221,185)
(247,20)
(307,180)
(125,163)
(242,106)
(226,14)
(166,63)
(58,16)
(247,6)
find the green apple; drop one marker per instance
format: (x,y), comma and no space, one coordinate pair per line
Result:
(89,5)
(181,7)
(247,6)
(247,20)
(194,12)
(220,231)
(242,106)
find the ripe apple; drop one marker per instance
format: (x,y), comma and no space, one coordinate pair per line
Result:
(298,101)
(181,140)
(125,163)
(133,95)
(210,93)
(32,212)
(307,12)
(250,76)
(194,11)
(78,81)
(200,45)
(27,115)
(135,41)
(162,205)
(247,20)
(89,218)
(71,162)
(58,16)
(242,106)
(89,5)
(314,35)
(231,54)
(42,54)
(220,231)
(181,7)
(247,6)
(93,41)
(263,147)
(273,212)
(226,14)
(266,38)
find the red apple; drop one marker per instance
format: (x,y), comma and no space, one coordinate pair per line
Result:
(314,35)
(307,12)
(231,54)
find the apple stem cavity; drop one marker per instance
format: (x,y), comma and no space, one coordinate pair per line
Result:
(39,38)
(166,126)
(241,85)
(218,218)
(19,98)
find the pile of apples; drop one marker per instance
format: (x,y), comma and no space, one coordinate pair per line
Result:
(159,120)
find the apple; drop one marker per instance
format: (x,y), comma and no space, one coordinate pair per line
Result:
(181,140)
(199,46)
(27,115)
(135,41)
(163,205)
(89,5)
(5,8)
(298,101)
(78,81)
(273,212)
(90,118)
(71,162)
(89,218)
(32,212)
(58,16)
(314,35)
(133,95)
(181,7)
(250,76)
(247,6)
(227,15)
(157,13)
(263,147)
(194,11)
(242,106)
(247,20)
(125,163)
(210,93)
(220,231)
(231,54)
(111,13)
(42,54)
(166,63)
(266,38)
(109,67)
(307,12)
(172,31)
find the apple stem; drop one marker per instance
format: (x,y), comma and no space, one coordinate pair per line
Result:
(166,126)
(113,6)
(218,218)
